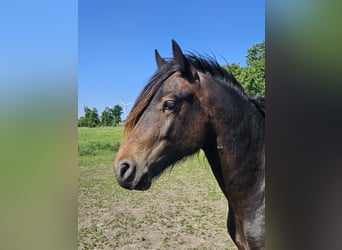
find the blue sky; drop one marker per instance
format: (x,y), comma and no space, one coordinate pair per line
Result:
(38,52)
(117,41)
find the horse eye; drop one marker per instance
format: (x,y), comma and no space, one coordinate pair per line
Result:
(169,105)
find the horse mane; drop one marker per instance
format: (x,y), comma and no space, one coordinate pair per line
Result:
(209,65)
(204,64)
(259,103)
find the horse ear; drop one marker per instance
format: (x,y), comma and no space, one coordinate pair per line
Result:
(159,60)
(179,56)
(187,69)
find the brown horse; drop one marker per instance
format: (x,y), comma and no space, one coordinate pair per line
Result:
(192,103)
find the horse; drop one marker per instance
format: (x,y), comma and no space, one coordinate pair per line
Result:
(192,103)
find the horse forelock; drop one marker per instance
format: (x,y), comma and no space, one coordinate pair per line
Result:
(146,96)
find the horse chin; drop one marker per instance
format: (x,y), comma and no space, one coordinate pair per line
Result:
(144,183)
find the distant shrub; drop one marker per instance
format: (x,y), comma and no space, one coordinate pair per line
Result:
(93,147)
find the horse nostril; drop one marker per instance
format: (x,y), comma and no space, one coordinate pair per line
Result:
(126,171)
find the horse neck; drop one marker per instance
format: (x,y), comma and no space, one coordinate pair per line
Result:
(235,141)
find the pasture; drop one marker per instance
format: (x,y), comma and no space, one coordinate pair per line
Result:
(184,208)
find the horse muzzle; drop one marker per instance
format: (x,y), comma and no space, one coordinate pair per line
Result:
(128,177)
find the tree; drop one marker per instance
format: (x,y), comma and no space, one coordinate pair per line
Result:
(82,122)
(107,117)
(252,77)
(256,68)
(117,112)
(91,118)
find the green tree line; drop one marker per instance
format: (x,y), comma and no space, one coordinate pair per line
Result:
(252,76)
(109,117)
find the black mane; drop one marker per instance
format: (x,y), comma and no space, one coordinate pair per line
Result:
(210,65)
(259,102)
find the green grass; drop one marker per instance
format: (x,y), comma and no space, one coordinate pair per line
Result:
(98,145)
(184,208)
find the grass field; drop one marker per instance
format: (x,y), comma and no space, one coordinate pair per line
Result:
(184,208)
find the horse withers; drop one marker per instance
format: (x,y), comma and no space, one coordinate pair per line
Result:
(192,103)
